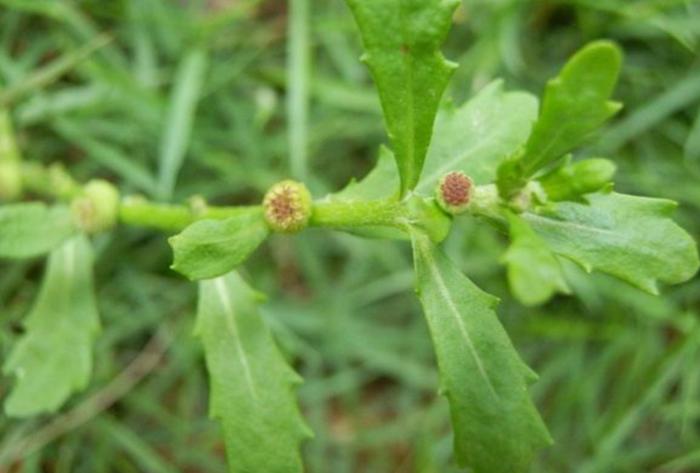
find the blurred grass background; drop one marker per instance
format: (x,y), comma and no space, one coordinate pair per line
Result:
(222,98)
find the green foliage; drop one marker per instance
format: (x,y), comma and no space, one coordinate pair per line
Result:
(618,367)
(382,182)
(402,40)
(575,104)
(497,427)
(476,136)
(10,175)
(534,274)
(572,181)
(632,238)
(53,359)
(251,383)
(32,229)
(178,125)
(211,248)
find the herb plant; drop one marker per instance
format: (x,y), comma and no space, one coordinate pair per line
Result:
(498,157)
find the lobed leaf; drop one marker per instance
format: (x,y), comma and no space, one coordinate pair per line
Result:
(402,40)
(210,248)
(53,359)
(575,104)
(251,383)
(478,135)
(32,229)
(497,427)
(631,238)
(534,274)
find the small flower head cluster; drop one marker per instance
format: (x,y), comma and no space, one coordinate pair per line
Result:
(287,207)
(454,192)
(96,209)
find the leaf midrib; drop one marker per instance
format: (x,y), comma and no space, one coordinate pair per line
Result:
(230,318)
(447,297)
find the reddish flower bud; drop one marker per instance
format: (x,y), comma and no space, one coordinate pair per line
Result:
(454,192)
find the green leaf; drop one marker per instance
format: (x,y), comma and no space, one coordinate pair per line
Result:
(53,359)
(575,104)
(692,143)
(177,127)
(251,383)
(477,136)
(497,427)
(10,160)
(210,248)
(631,238)
(402,40)
(572,181)
(382,182)
(32,229)
(534,274)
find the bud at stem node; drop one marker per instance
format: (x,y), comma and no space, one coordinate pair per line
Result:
(454,192)
(287,207)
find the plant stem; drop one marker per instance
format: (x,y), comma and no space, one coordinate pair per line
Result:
(140,212)
(55,183)
(358,214)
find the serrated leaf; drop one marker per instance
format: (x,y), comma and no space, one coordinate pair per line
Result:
(251,383)
(497,427)
(32,229)
(53,359)
(402,40)
(575,104)
(210,248)
(534,274)
(631,238)
(475,137)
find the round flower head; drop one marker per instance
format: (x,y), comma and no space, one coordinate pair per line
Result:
(454,192)
(97,208)
(287,207)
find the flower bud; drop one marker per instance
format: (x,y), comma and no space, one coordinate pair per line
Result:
(571,181)
(96,209)
(592,175)
(454,192)
(287,207)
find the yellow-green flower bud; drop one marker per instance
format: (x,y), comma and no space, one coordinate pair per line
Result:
(96,209)
(571,181)
(454,192)
(287,207)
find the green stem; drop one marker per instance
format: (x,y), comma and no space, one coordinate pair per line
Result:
(139,212)
(55,183)
(486,202)
(341,215)
(52,181)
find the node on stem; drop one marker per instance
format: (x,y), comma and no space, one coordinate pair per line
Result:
(287,207)
(96,209)
(454,192)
